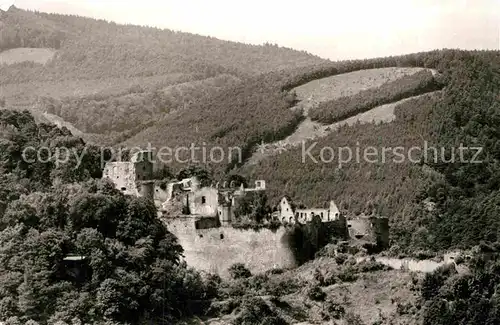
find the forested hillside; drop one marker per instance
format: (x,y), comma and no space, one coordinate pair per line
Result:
(133,86)
(465,112)
(52,212)
(121,72)
(92,48)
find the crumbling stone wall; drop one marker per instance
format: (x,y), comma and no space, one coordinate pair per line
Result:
(126,174)
(204,202)
(216,249)
(123,175)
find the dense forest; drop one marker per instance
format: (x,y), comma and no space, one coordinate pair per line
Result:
(141,105)
(451,297)
(465,112)
(50,212)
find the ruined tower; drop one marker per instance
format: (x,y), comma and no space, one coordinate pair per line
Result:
(127,175)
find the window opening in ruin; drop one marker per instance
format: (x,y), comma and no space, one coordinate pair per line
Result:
(203,200)
(123,188)
(321,215)
(201,236)
(221,236)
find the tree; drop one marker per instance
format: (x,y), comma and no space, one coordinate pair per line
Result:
(204,176)
(253,205)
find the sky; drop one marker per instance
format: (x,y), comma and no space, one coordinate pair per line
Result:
(333,29)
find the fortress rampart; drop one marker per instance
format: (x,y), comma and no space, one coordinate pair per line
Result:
(216,249)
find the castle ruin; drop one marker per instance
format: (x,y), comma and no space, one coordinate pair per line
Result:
(201,217)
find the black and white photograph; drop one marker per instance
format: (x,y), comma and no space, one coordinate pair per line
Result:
(193,162)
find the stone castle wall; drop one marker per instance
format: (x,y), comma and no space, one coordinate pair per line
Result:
(216,249)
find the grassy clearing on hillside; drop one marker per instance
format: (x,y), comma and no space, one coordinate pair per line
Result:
(60,123)
(351,83)
(346,106)
(12,56)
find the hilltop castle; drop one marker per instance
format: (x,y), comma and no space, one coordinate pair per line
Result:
(189,197)
(201,217)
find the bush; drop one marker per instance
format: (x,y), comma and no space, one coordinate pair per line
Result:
(404,309)
(233,289)
(273,320)
(220,308)
(255,311)
(327,251)
(333,310)
(371,266)
(239,270)
(258,282)
(282,286)
(330,279)
(353,319)
(433,282)
(348,275)
(424,255)
(212,284)
(341,259)
(275,271)
(316,293)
